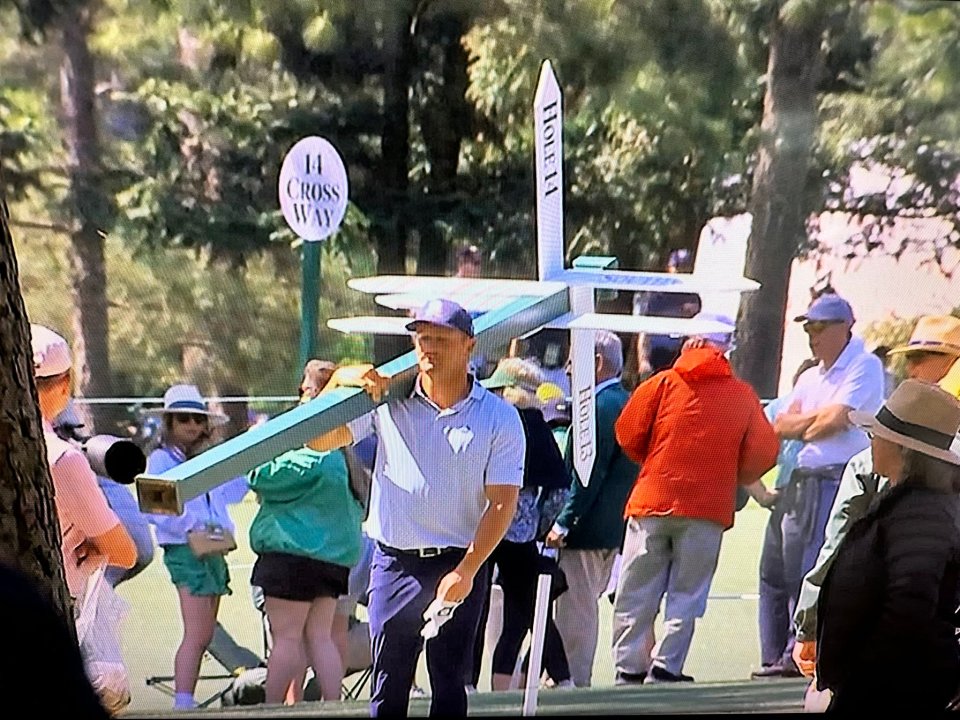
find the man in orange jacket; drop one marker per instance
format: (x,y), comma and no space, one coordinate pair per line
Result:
(697,431)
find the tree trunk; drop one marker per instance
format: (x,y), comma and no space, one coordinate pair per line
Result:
(390,232)
(777,203)
(29,529)
(91,355)
(445,122)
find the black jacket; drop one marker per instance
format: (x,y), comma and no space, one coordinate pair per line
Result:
(42,664)
(543,464)
(886,635)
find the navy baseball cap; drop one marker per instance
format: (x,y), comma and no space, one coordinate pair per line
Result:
(827,308)
(443,312)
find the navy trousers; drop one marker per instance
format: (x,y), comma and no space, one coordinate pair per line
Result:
(792,542)
(401,588)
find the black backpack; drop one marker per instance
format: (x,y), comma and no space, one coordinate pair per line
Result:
(248,688)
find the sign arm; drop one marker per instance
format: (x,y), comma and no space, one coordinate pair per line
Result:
(583,387)
(167,492)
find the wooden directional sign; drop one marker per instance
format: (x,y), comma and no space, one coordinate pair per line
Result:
(167,492)
(634,280)
(560,297)
(548,149)
(649,324)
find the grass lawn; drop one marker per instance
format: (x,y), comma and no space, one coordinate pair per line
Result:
(725,647)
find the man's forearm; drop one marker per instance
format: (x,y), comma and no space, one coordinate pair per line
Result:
(792,426)
(332,440)
(828,421)
(493,526)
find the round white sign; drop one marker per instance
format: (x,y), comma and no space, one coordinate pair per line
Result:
(313,189)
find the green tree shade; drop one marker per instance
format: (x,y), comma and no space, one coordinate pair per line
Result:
(162,298)
(903,125)
(430,105)
(650,117)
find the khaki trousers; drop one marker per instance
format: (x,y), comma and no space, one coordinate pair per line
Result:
(577,613)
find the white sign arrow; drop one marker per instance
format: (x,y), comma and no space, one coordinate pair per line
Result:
(583,387)
(548,148)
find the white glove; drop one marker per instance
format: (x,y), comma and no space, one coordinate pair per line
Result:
(437,613)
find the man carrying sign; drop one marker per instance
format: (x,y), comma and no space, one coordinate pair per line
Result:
(447,473)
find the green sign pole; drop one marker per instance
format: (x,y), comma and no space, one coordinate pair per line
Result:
(309,302)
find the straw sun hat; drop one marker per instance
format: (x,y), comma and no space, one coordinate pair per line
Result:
(187,399)
(933,333)
(918,416)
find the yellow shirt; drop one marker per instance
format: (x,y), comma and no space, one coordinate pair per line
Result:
(951,381)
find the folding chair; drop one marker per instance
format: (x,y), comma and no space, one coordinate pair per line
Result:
(360,666)
(233,657)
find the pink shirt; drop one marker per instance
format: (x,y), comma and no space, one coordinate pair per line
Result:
(81,508)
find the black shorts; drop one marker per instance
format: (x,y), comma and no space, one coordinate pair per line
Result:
(298,578)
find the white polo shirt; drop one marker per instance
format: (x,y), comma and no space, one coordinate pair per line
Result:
(432,466)
(856,380)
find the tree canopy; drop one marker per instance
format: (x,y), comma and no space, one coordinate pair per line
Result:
(429,103)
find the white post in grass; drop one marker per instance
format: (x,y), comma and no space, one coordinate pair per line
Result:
(535,668)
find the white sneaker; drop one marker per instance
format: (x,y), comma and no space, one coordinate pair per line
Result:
(565,685)
(471,689)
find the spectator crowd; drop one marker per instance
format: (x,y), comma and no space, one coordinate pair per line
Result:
(460,491)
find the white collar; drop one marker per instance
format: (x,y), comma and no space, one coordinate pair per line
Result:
(476,390)
(607,383)
(853,348)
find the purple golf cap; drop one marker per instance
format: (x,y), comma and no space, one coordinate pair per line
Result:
(826,308)
(443,312)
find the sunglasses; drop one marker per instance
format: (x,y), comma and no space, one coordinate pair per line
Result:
(818,326)
(185,418)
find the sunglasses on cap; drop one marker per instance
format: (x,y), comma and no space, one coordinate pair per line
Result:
(818,326)
(185,418)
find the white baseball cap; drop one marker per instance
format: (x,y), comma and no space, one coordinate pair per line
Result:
(51,353)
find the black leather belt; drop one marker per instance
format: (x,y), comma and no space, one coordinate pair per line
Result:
(826,471)
(427,552)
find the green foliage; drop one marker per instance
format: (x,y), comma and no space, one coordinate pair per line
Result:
(29,140)
(162,298)
(655,95)
(199,101)
(208,165)
(19,139)
(903,124)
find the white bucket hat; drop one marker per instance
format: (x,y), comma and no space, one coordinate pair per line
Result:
(51,354)
(187,399)
(918,416)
